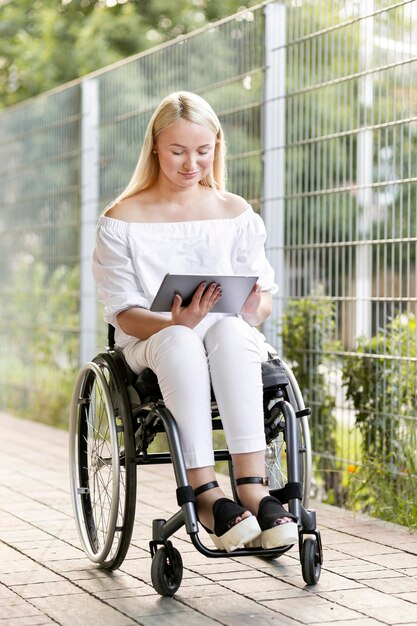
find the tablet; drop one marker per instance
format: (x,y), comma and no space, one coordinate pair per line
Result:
(235,291)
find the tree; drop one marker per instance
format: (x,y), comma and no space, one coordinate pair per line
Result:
(46,43)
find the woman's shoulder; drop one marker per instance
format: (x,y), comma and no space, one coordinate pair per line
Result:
(142,207)
(245,218)
(233,204)
(129,209)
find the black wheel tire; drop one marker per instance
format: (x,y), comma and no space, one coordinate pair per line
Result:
(310,561)
(127,504)
(166,571)
(102,454)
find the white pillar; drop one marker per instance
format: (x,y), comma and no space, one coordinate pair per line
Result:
(274,159)
(363,295)
(89,211)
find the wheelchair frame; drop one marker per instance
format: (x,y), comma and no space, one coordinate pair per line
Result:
(114,418)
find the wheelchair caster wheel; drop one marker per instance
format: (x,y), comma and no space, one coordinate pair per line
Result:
(310,561)
(166,570)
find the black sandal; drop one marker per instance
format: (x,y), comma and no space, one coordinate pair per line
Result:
(228,535)
(270,512)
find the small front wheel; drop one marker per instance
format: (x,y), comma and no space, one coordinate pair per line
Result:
(310,561)
(166,570)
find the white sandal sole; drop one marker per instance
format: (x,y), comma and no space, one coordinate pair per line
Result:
(276,537)
(238,536)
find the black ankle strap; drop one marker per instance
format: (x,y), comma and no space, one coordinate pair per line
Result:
(206,487)
(252,480)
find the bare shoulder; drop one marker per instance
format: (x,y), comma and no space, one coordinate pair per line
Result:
(234,205)
(127,210)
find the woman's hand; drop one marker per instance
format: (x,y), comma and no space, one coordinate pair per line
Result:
(252,302)
(258,306)
(202,303)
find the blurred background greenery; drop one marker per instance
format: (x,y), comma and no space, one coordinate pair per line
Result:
(44,43)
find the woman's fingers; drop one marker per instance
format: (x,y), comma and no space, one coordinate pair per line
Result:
(176,304)
(211,295)
(217,294)
(202,302)
(203,295)
(198,295)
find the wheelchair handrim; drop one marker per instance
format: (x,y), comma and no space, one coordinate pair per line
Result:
(305,429)
(76,494)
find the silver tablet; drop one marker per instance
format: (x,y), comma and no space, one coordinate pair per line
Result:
(235,291)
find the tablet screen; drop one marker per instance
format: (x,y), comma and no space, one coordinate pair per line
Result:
(235,291)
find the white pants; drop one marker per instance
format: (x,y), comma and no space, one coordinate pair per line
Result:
(229,355)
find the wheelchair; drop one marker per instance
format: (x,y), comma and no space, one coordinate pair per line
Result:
(115,418)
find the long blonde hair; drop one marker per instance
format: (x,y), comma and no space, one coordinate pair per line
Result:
(180,105)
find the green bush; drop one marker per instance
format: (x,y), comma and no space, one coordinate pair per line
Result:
(307,329)
(38,368)
(381,382)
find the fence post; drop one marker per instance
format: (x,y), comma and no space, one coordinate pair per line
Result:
(274,160)
(89,210)
(363,295)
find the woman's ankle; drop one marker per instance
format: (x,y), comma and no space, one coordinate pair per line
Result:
(250,496)
(204,504)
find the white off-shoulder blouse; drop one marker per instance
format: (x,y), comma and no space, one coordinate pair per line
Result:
(131,258)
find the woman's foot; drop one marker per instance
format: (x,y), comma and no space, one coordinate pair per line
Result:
(205,502)
(232,525)
(279,528)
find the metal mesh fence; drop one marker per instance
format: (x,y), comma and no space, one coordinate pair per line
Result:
(318,104)
(231,79)
(39,224)
(350,244)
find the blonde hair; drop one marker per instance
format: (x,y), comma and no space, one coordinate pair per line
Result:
(180,105)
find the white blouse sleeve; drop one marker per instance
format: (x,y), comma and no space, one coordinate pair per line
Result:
(118,285)
(251,258)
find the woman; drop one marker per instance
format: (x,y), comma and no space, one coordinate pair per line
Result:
(175,216)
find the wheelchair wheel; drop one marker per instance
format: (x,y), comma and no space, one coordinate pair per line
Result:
(310,561)
(276,456)
(102,462)
(306,456)
(166,570)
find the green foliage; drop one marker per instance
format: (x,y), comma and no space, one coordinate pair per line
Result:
(382,491)
(46,43)
(307,332)
(42,332)
(381,382)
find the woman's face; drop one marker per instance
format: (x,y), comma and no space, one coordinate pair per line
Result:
(185,152)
